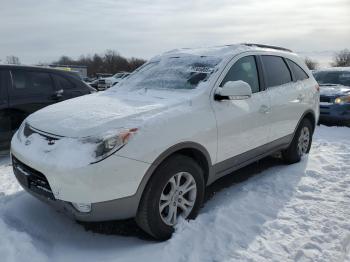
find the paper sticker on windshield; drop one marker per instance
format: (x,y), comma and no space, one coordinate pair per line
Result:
(201,69)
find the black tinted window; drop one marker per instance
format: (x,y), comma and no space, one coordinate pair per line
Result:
(4,83)
(276,71)
(31,82)
(64,83)
(298,72)
(244,69)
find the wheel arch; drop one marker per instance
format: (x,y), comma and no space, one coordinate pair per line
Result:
(191,149)
(310,115)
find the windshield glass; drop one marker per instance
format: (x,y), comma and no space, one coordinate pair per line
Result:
(172,73)
(333,77)
(118,75)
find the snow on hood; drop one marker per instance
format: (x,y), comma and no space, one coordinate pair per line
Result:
(334,90)
(101,112)
(92,117)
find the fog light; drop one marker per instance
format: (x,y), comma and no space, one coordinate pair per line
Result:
(81,207)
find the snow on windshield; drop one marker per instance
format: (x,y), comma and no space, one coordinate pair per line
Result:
(172,72)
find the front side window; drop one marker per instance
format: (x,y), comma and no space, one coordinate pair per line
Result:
(64,83)
(183,72)
(31,82)
(298,73)
(276,71)
(244,69)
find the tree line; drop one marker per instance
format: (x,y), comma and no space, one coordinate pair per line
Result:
(109,62)
(112,62)
(341,58)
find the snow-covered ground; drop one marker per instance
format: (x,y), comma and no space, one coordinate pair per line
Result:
(265,212)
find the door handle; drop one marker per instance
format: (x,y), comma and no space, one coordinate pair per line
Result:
(264,109)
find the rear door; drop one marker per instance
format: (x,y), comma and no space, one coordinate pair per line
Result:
(67,88)
(31,90)
(5,121)
(286,96)
(243,125)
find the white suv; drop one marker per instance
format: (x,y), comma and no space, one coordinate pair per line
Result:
(149,148)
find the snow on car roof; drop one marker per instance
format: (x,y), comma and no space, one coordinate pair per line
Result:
(223,51)
(216,51)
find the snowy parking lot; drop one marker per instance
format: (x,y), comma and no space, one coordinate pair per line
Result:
(265,212)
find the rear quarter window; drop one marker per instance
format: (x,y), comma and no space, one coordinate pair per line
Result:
(276,71)
(298,73)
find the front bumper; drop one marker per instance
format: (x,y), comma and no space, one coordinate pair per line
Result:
(103,211)
(111,186)
(334,112)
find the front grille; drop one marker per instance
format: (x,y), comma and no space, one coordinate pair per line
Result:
(32,179)
(28,131)
(325,99)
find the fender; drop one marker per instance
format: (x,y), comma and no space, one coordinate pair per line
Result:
(171,150)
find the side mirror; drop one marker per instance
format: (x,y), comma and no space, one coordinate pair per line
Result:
(234,90)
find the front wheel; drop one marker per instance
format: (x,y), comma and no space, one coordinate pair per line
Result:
(300,144)
(175,190)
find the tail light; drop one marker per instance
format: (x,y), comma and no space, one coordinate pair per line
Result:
(317,87)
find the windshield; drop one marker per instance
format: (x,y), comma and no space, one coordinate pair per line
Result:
(172,73)
(333,77)
(118,75)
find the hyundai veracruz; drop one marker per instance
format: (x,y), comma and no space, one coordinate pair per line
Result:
(148,147)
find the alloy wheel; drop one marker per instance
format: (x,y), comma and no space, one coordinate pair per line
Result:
(304,141)
(177,198)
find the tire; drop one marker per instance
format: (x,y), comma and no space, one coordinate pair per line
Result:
(293,153)
(149,215)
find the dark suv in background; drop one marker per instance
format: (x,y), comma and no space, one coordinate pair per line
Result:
(334,95)
(25,89)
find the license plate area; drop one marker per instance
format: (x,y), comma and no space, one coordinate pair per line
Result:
(32,179)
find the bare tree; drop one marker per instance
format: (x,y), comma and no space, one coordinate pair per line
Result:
(13,60)
(109,62)
(311,64)
(342,58)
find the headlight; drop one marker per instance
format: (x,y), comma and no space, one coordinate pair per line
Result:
(20,131)
(342,100)
(111,143)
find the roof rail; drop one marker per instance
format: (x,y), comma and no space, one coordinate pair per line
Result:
(269,46)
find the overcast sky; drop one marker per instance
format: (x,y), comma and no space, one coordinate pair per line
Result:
(43,30)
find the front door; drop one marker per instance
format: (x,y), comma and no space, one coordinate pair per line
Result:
(243,125)
(65,88)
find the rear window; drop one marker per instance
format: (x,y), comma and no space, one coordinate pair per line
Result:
(298,72)
(276,71)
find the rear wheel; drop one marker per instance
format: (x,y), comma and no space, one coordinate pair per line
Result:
(175,190)
(300,144)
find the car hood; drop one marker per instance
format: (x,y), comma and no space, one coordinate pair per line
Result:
(94,114)
(334,90)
